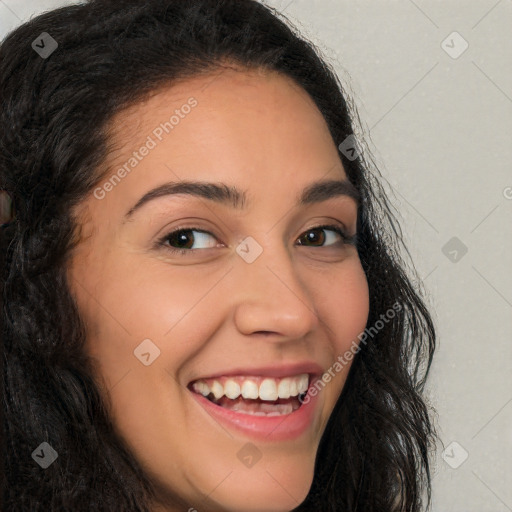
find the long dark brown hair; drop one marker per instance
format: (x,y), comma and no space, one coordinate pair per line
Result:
(111,54)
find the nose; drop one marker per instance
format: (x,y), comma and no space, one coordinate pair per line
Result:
(271,298)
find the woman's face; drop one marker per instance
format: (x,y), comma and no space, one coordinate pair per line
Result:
(259,301)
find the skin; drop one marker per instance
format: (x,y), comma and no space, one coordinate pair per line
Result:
(210,309)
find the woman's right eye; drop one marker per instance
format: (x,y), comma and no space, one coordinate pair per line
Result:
(183,239)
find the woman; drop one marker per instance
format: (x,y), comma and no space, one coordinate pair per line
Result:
(277,367)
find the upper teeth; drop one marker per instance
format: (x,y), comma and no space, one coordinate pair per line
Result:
(253,387)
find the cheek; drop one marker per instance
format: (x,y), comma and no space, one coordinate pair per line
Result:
(342,301)
(175,308)
(343,304)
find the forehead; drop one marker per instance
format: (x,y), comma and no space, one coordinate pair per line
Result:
(231,103)
(257,130)
(225,85)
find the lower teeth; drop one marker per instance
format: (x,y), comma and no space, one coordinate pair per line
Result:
(266,410)
(258,407)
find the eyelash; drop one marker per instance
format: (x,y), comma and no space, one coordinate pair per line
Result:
(349,240)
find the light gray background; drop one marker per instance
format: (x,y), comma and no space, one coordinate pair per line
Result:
(440,128)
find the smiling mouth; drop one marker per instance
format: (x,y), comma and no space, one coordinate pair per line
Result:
(255,395)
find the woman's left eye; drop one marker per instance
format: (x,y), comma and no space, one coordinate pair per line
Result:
(337,230)
(180,240)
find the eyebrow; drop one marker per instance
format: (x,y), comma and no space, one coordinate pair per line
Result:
(222,193)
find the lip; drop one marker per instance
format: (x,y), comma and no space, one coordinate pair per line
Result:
(276,371)
(263,428)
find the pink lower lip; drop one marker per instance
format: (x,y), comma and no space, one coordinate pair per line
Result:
(264,428)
